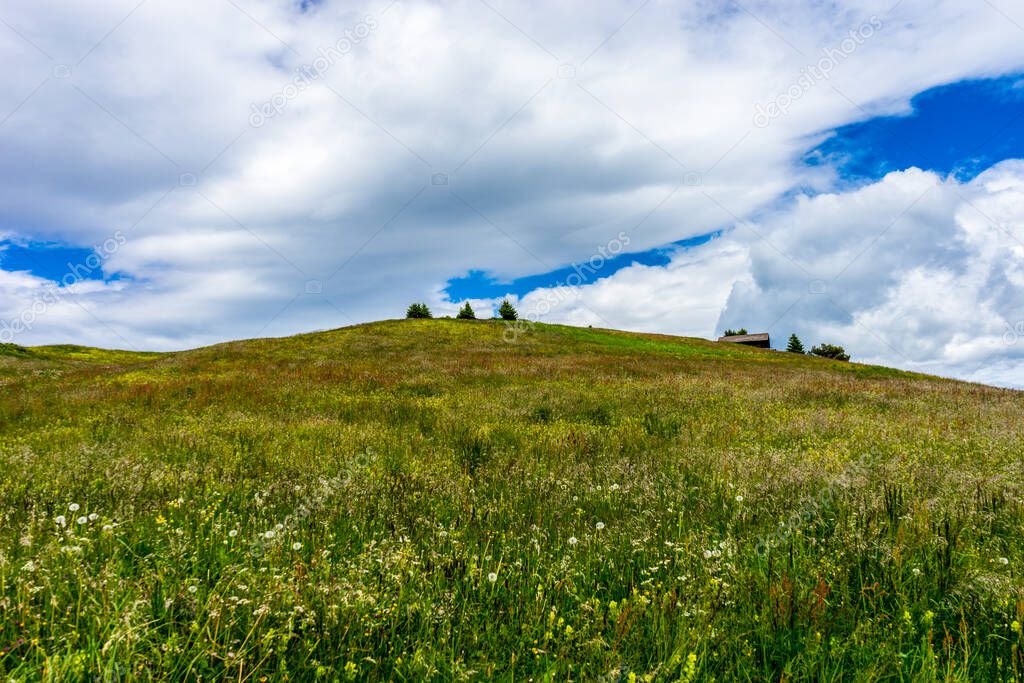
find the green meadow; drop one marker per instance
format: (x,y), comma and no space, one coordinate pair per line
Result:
(423,500)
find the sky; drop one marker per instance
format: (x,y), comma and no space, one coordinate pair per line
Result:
(179,174)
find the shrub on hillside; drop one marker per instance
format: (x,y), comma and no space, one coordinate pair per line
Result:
(795,345)
(734,333)
(466,313)
(507,311)
(418,311)
(830,351)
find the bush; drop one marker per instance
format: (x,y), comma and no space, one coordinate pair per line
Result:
(795,345)
(830,351)
(734,333)
(418,311)
(466,313)
(507,311)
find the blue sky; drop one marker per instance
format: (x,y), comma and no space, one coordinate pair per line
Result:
(277,176)
(958,129)
(48,260)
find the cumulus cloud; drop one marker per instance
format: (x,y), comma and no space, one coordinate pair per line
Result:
(436,138)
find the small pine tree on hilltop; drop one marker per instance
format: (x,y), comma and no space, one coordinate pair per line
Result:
(734,333)
(795,345)
(418,311)
(466,313)
(507,311)
(830,351)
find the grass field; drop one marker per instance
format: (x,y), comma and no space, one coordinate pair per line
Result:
(420,500)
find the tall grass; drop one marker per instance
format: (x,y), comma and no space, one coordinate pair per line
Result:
(420,500)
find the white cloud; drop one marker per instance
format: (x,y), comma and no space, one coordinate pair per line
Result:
(542,167)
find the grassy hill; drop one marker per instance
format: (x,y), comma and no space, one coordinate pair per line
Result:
(422,500)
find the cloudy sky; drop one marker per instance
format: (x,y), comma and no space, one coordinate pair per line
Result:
(181,173)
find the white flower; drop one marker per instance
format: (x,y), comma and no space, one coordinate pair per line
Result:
(268,534)
(599,525)
(739,499)
(93,516)
(915,571)
(296,546)
(233,533)
(73,507)
(29,566)
(492,577)
(573,540)
(108,527)
(60,520)
(613,487)
(193,588)
(82,520)
(1003,560)
(708,554)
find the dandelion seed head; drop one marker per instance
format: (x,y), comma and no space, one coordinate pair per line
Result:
(73,507)
(492,577)
(599,525)
(82,520)
(60,520)
(296,546)
(573,540)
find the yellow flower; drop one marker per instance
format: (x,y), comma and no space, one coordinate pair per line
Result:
(1015,626)
(160,519)
(350,671)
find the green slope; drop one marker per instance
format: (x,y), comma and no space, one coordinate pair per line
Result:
(442,503)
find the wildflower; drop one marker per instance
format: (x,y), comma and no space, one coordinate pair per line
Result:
(269,534)
(1015,626)
(60,520)
(492,577)
(73,507)
(30,566)
(928,617)
(193,588)
(600,525)
(160,519)
(82,520)
(108,528)
(739,499)
(708,554)
(233,533)
(350,671)
(573,540)
(93,516)
(1003,560)
(296,546)
(691,667)
(915,571)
